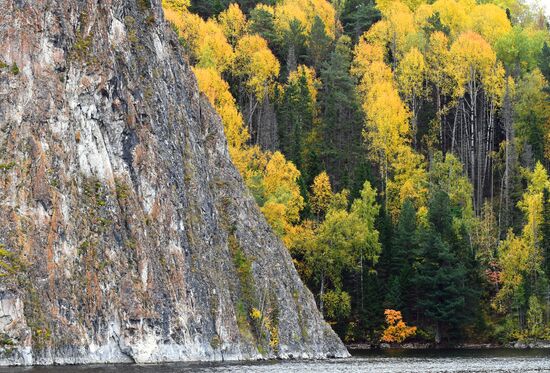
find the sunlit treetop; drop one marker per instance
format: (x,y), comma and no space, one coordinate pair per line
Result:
(454,15)
(365,54)
(437,60)
(255,61)
(490,21)
(474,59)
(321,194)
(369,66)
(204,39)
(538,179)
(411,73)
(305,12)
(397,29)
(422,15)
(385,5)
(233,23)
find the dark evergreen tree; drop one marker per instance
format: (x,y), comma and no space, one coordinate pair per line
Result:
(261,22)
(293,44)
(340,116)
(319,44)
(357,17)
(295,121)
(440,277)
(544,61)
(394,296)
(403,250)
(208,8)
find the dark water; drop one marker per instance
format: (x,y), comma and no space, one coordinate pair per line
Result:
(395,361)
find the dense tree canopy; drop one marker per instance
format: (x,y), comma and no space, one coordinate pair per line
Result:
(400,150)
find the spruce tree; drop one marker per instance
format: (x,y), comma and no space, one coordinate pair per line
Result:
(403,251)
(358,16)
(340,116)
(440,277)
(319,43)
(295,121)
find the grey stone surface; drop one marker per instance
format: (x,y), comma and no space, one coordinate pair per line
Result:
(122,218)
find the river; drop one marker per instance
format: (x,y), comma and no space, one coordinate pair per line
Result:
(390,361)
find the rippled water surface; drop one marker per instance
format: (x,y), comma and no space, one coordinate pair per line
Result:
(395,361)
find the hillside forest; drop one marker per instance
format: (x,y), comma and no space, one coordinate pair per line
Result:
(400,149)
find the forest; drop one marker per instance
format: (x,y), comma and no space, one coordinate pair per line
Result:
(400,149)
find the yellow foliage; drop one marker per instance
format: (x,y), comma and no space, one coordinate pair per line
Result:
(410,75)
(305,12)
(400,30)
(366,56)
(532,205)
(311,80)
(280,185)
(490,21)
(437,60)
(217,91)
(205,39)
(514,262)
(453,14)
(321,194)
(233,23)
(396,331)
(257,64)
(386,5)
(422,15)
(522,256)
(275,214)
(410,181)
(178,5)
(377,34)
(387,129)
(266,8)
(474,60)
(256,314)
(387,120)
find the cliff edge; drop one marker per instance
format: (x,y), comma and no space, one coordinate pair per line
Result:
(126,233)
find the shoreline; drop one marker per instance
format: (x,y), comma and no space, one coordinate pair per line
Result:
(464,346)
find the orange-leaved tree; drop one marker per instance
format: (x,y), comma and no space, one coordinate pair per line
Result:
(396,331)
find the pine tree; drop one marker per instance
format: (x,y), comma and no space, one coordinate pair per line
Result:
(440,276)
(295,119)
(319,43)
(403,251)
(358,16)
(340,118)
(261,22)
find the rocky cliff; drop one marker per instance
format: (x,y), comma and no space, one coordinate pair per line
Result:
(126,234)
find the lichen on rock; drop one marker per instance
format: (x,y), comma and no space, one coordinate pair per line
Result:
(121,243)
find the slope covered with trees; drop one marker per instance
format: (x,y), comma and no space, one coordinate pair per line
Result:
(399,148)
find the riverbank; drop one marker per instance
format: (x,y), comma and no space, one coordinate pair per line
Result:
(379,361)
(472,346)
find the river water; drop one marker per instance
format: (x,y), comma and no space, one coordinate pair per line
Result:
(394,361)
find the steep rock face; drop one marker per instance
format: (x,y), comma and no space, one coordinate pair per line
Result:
(125,231)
